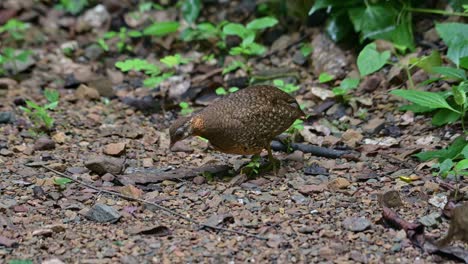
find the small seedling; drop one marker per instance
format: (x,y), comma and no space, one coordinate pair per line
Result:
(248,33)
(286,87)
(185,108)
(73,7)
(11,56)
(306,49)
(161,29)
(154,73)
(123,38)
(236,65)
(15,29)
(222,91)
(40,114)
(174,60)
(253,167)
(345,87)
(325,77)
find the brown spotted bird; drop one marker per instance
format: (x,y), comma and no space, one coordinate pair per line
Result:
(244,122)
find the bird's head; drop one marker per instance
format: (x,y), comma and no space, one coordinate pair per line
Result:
(180,129)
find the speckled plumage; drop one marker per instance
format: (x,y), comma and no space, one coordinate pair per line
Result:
(244,122)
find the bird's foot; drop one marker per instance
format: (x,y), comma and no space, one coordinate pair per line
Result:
(273,165)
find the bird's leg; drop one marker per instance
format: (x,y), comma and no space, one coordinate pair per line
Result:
(273,163)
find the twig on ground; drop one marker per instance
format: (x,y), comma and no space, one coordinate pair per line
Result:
(160,207)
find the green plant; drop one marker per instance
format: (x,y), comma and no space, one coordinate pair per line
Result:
(306,49)
(370,60)
(123,38)
(325,77)
(155,74)
(222,91)
(12,56)
(15,29)
(234,65)
(286,87)
(455,36)
(161,29)
(247,33)
(203,31)
(73,7)
(345,87)
(253,167)
(191,10)
(40,114)
(185,108)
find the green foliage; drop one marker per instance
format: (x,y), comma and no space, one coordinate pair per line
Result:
(174,60)
(15,29)
(161,29)
(253,166)
(247,33)
(39,115)
(12,56)
(298,125)
(234,66)
(123,38)
(155,73)
(203,31)
(191,10)
(306,49)
(73,7)
(427,63)
(346,85)
(185,108)
(389,20)
(285,87)
(325,77)
(455,36)
(61,181)
(222,91)
(370,60)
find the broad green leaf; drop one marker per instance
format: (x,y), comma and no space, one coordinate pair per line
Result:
(233,89)
(191,10)
(462,165)
(449,72)
(423,98)
(160,29)
(338,26)
(278,82)
(325,77)
(464,152)
(137,65)
(464,62)
(459,95)
(320,4)
(370,60)
(61,180)
(349,83)
(451,152)
(221,91)
(427,62)
(445,167)
(455,35)
(262,23)
(134,34)
(235,29)
(306,49)
(445,116)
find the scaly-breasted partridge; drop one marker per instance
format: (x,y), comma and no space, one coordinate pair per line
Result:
(244,122)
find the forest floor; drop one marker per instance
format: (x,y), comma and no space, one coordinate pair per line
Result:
(112,133)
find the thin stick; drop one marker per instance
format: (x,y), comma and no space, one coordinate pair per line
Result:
(160,207)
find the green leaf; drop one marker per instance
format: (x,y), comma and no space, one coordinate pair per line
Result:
(461,165)
(233,89)
(451,152)
(370,60)
(325,77)
(320,4)
(338,26)
(137,65)
(134,34)
(306,49)
(160,29)
(51,95)
(464,152)
(445,116)
(61,181)
(235,29)
(233,66)
(459,95)
(445,167)
(262,23)
(455,35)
(449,72)
(423,98)
(427,62)
(349,83)
(191,10)
(221,91)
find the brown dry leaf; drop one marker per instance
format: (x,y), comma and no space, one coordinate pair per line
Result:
(131,191)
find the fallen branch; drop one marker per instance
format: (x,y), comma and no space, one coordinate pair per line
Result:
(160,207)
(314,150)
